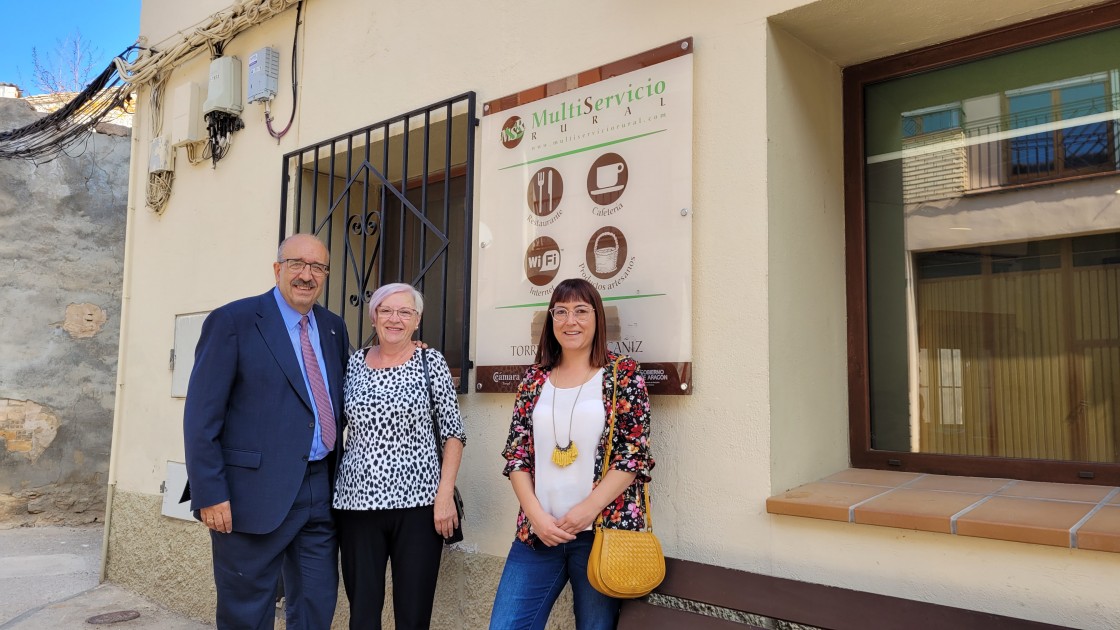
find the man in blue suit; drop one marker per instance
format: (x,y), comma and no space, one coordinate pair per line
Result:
(262,420)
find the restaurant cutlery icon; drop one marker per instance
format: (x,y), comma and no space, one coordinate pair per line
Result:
(540,189)
(546,188)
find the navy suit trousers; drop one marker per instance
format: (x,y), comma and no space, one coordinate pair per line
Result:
(304,548)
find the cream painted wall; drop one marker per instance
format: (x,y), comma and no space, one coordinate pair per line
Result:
(770,408)
(808,398)
(224,222)
(191,258)
(808,339)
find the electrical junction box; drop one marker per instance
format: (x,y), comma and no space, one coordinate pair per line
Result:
(224,92)
(188,330)
(174,488)
(186,119)
(160,156)
(264,74)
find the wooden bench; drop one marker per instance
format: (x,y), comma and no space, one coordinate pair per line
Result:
(816,605)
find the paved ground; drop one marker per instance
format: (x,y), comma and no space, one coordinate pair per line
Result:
(48,581)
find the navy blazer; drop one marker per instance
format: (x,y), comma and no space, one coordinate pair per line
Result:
(248,422)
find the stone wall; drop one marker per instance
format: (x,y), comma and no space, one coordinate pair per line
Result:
(167,560)
(63,226)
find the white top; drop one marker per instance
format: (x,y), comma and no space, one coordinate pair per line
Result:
(560,489)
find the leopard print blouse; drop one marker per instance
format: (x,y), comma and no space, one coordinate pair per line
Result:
(389,457)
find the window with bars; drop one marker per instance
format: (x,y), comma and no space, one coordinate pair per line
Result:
(393,203)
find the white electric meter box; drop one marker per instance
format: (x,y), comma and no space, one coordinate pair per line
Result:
(186,120)
(224,92)
(264,74)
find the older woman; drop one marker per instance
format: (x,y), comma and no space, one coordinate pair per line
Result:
(554,458)
(393,502)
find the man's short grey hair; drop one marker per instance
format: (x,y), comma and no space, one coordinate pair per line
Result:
(283,243)
(384,291)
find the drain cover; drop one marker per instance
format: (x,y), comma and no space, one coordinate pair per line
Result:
(113,617)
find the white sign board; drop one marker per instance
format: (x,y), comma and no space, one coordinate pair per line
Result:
(594,182)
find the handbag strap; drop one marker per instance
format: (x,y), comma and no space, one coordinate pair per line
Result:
(431,404)
(610,443)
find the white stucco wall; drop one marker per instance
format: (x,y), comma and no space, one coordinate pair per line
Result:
(770,405)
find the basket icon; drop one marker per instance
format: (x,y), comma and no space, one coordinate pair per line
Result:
(606,258)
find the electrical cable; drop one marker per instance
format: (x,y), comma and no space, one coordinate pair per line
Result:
(50,136)
(158,190)
(221,27)
(197,151)
(221,126)
(267,114)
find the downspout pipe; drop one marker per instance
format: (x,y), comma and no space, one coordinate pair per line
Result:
(136,179)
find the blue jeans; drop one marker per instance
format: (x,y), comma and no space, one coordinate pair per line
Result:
(533,579)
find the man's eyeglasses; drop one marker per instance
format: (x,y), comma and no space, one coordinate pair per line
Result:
(296,265)
(405,314)
(581,313)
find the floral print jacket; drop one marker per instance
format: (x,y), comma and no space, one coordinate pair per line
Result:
(629,451)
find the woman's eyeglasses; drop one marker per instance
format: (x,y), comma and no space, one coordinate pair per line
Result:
(405,314)
(581,313)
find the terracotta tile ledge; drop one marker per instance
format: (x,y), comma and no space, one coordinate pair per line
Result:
(1057,514)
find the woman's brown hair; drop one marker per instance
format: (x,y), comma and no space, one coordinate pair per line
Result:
(573,290)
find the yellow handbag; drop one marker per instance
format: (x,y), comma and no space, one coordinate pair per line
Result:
(624,563)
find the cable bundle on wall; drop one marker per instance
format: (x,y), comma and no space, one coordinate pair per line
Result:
(152,64)
(158,191)
(221,126)
(50,136)
(220,28)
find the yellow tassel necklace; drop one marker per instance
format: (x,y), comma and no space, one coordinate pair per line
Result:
(564,455)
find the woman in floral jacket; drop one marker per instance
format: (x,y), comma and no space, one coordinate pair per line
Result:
(554,459)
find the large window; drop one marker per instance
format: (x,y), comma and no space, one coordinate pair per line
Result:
(984,254)
(393,201)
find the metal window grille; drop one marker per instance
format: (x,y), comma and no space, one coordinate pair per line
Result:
(1064,152)
(393,202)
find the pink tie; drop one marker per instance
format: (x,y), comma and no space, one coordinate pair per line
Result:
(318,387)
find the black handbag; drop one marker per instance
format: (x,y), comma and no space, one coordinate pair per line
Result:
(456,535)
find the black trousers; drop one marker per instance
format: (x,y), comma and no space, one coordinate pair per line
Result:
(406,538)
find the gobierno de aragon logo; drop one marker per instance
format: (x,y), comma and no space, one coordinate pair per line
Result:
(512,132)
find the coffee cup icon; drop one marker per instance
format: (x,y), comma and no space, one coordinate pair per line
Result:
(607,176)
